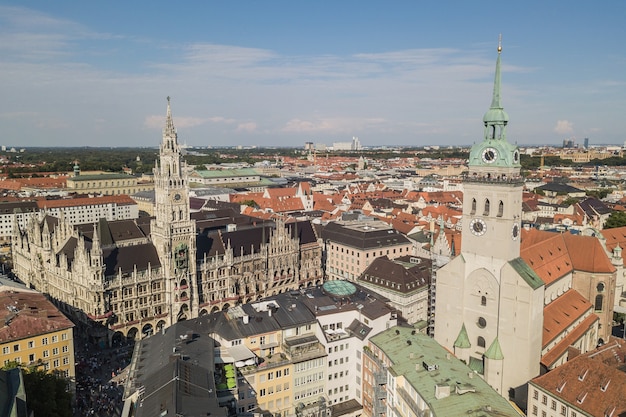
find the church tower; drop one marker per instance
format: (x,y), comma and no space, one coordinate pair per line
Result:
(173,232)
(489,304)
(492,192)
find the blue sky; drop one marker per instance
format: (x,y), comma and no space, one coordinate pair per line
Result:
(281,73)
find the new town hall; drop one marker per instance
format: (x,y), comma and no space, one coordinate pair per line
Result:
(137,276)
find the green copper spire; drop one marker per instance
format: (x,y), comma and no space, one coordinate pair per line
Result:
(496,118)
(462,340)
(495,351)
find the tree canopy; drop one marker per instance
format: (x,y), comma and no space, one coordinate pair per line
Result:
(616,219)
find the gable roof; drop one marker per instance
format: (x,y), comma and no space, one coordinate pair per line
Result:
(593,382)
(553,255)
(397,276)
(562,313)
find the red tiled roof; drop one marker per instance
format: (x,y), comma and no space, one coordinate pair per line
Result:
(553,255)
(614,237)
(546,254)
(560,348)
(561,313)
(33,315)
(592,382)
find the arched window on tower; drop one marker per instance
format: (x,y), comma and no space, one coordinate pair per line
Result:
(473,206)
(483,301)
(500,208)
(486,212)
(480,341)
(599,302)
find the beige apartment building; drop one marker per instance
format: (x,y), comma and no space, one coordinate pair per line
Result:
(351,246)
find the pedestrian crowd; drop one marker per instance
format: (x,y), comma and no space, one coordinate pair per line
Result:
(100,377)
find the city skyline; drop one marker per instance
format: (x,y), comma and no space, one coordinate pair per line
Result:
(284,73)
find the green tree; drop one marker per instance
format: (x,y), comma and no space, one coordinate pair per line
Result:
(616,219)
(47,393)
(250,203)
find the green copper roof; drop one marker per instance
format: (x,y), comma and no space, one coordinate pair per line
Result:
(527,273)
(496,113)
(223,173)
(105,176)
(409,353)
(494,351)
(462,340)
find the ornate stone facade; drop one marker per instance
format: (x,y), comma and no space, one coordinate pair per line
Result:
(132,277)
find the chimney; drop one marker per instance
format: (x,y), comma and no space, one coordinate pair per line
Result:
(442,391)
(245,318)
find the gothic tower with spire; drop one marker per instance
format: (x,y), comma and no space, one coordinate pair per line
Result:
(489,305)
(173,232)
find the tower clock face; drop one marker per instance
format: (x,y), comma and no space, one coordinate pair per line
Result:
(478,227)
(489,155)
(176,197)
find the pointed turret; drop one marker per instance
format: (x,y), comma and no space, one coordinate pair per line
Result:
(496,118)
(462,345)
(462,340)
(493,364)
(169,131)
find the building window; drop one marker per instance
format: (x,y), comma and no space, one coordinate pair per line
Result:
(483,301)
(500,209)
(599,302)
(482,323)
(487,208)
(481,342)
(600,287)
(473,206)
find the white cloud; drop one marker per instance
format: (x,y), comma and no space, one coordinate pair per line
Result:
(246,127)
(564,127)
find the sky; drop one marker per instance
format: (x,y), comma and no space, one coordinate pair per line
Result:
(282,73)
